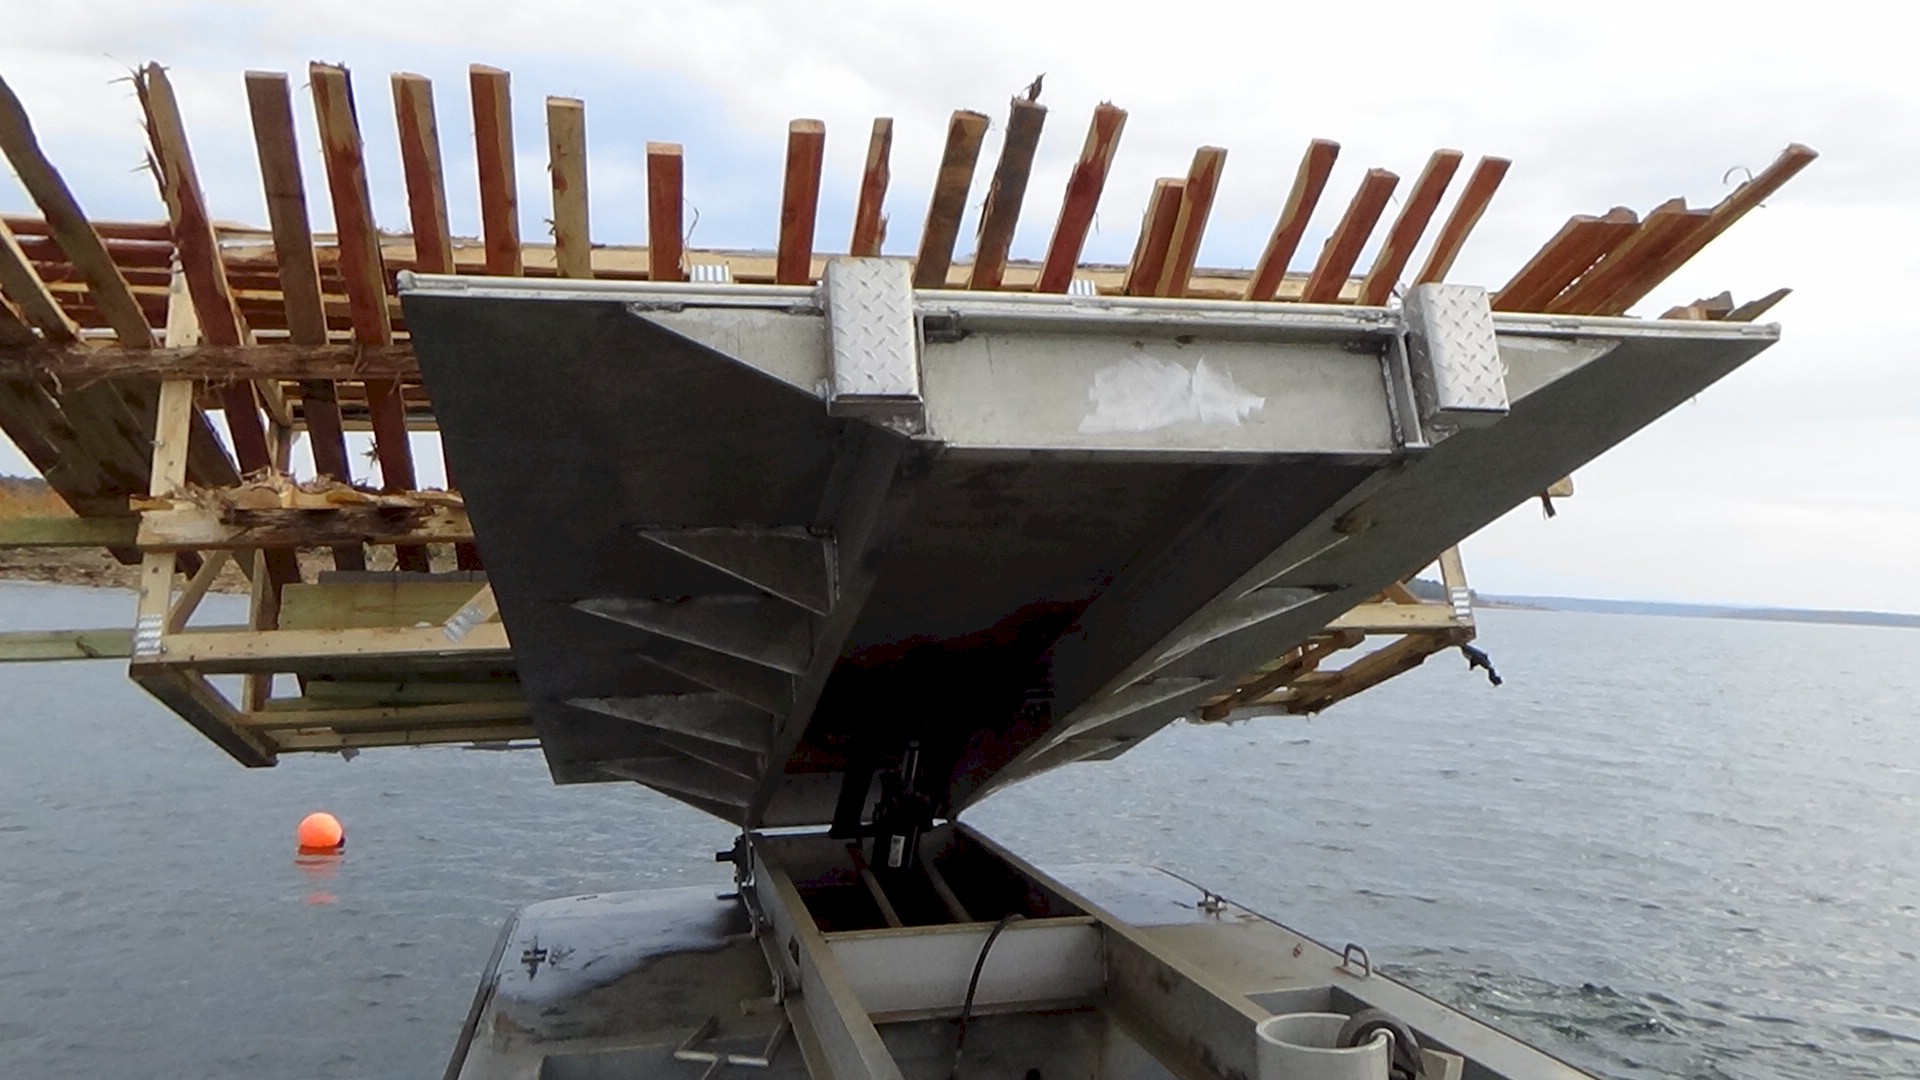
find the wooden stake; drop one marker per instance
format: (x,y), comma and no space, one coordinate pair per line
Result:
(567,166)
(1082,199)
(1466,214)
(869,217)
(493,146)
(800,201)
(1196,203)
(1308,184)
(1006,193)
(1329,277)
(425,178)
(965,132)
(1156,235)
(665,199)
(1421,202)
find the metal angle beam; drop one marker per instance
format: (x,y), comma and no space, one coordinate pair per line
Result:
(681,776)
(873,506)
(783,561)
(1232,616)
(757,629)
(714,717)
(760,687)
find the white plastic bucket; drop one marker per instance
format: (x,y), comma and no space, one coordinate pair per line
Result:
(1300,1046)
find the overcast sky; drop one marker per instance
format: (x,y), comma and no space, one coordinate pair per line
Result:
(1790,483)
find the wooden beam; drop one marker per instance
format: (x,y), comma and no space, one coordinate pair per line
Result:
(1308,184)
(1343,248)
(965,132)
(1156,235)
(193,528)
(24,285)
(800,201)
(199,254)
(419,129)
(1581,242)
(1277,675)
(1729,210)
(202,580)
(869,215)
(386,717)
(68,532)
(1082,199)
(363,276)
(36,646)
(666,198)
(332,742)
(270,103)
(14,330)
(1753,309)
(420,164)
(1006,193)
(195,700)
(567,167)
(493,149)
(78,366)
(1377,287)
(1473,202)
(1664,226)
(239,650)
(1190,223)
(69,226)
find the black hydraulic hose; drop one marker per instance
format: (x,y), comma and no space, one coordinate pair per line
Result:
(973,984)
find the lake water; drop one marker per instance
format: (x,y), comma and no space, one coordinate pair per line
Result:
(1666,847)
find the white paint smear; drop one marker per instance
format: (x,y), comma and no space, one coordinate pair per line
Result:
(1144,394)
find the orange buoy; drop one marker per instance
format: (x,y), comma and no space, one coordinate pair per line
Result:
(321,834)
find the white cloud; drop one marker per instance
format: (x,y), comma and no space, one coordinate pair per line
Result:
(1791,482)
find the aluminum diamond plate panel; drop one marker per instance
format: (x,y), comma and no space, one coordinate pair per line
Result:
(1457,370)
(875,359)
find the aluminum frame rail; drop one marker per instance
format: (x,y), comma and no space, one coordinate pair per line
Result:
(1445,413)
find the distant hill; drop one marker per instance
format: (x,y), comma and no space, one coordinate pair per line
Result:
(22,496)
(1709,611)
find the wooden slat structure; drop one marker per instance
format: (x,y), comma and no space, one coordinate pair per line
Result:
(117,337)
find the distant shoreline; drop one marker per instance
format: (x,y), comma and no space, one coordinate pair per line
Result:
(1817,616)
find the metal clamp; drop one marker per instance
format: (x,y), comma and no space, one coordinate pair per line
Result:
(716,1060)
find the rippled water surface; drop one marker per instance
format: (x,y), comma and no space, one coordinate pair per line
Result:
(1664,848)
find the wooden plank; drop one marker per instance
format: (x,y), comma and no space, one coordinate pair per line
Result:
(567,167)
(36,646)
(75,366)
(1397,251)
(199,254)
(1664,226)
(1753,309)
(800,201)
(1729,210)
(386,718)
(363,276)
(1581,242)
(193,528)
(1343,248)
(1190,223)
(239,650)
(340,605)
(196,589)
(14,330)
(493,149)
(1308,184)
(68,532)
(37,304)
(84,249)
(1084,186)
(1156,235)
(420,164)
(666,198)
(965,132)
(270,103)
(195,700)
(492,735)
(419,129)
(869,215)
(1006,193)
(1473,202)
